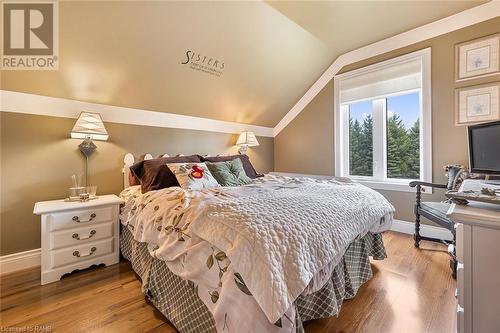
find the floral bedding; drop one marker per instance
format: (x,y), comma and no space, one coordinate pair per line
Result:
(251,250)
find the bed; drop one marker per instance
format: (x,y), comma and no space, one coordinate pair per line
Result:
(263,257)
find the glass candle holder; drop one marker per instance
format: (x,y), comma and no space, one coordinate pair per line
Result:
(91,190)
(75,192)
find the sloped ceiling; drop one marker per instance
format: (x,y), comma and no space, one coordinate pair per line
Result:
(131,53)
(347,25)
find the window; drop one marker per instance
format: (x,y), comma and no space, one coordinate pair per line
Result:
(382,122)
(361,139)
(403,136)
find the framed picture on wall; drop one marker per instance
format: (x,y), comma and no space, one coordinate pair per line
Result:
(477,58)
(477,104)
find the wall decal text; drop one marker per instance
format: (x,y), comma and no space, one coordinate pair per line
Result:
(203,63)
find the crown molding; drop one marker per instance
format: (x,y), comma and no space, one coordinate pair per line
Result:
(11,101)
(448,24)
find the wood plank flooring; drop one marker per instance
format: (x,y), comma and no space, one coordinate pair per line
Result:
(411,291)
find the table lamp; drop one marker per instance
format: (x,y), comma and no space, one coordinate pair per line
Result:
(245,140)
(89,126)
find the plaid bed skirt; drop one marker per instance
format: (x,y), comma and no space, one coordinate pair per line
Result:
(177,300)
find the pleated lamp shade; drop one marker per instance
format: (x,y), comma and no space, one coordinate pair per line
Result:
(248,139)
(89,125)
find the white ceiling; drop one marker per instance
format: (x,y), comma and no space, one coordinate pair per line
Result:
(129,53)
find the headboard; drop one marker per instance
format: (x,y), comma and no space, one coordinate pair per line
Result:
(130,160)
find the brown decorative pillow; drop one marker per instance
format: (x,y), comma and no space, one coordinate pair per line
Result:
(154,174)
(132,179)
(247,166)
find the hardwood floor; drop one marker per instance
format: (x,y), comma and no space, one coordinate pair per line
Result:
(411,291)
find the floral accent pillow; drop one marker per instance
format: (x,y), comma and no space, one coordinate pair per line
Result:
(194,176)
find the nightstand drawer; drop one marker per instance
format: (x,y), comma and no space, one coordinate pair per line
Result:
(79,253)
(63,238)
(80,218)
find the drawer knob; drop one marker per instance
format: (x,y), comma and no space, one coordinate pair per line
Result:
(92,251)
(77,218)
(77,237)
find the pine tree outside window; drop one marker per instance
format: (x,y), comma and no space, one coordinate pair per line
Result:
(403,136)
(361,139)
(382,122)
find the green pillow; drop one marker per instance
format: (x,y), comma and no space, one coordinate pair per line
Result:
(229,173)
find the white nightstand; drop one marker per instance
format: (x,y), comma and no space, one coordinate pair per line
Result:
(76,235)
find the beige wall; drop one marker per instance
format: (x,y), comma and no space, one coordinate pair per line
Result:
(313,129)
(38,159)
(306,144)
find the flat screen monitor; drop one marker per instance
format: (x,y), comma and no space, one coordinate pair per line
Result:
(484,148)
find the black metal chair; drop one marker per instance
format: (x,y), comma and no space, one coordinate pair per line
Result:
(436,212)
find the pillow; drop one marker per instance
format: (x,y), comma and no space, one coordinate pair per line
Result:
(229,173)
(245,161)
(154,174)
(132,179)
(194,176)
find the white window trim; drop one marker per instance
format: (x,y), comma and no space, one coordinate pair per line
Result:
(341,137)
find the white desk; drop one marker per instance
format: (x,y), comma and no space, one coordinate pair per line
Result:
(478,269)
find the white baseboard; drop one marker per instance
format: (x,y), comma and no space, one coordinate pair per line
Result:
(21,260)
(406,227)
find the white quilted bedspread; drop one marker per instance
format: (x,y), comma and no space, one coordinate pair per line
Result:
(278,235)
(250,251)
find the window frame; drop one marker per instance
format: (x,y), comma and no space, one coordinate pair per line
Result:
(341,125)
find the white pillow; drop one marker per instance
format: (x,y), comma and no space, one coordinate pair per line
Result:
(194,176)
